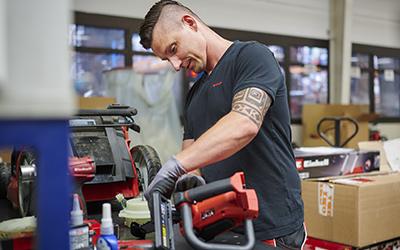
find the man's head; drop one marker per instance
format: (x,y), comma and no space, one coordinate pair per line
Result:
(154,15)
(172,31)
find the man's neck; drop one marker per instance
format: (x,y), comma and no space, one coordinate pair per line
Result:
(216,48)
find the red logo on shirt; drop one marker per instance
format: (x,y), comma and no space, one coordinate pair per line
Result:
(217,84)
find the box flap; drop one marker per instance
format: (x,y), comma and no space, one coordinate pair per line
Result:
(356,179)
(367,117)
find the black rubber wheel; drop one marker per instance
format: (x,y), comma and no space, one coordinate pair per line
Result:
(147,163)
(26,189)
(5,175)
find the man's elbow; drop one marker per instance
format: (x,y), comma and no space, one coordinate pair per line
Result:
(251,129)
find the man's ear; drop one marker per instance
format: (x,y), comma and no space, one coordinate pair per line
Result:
(190,22)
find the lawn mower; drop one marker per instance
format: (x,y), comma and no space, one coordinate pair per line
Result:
(101,162)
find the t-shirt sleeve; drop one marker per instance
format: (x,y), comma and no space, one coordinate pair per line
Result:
(186,132)
(257,67)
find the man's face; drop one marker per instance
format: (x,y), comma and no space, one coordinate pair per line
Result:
(183,47)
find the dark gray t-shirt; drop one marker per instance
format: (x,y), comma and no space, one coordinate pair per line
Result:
(267,161)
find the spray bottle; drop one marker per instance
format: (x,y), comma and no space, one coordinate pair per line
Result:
(107,239)
(79,231)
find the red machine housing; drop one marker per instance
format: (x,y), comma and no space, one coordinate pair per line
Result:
(221,211)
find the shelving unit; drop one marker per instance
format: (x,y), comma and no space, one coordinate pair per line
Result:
(50,139)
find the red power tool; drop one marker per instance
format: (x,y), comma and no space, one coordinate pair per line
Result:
(203,213)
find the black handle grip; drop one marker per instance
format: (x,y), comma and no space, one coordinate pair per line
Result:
(203,192)
(106,112)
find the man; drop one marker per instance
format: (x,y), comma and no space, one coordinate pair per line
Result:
(236,119)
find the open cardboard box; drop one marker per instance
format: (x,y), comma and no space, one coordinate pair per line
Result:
(357,210)
(313,113)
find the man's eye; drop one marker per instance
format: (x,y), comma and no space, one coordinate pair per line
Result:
(173,49)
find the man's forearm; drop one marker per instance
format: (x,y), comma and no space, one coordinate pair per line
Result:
(226,137)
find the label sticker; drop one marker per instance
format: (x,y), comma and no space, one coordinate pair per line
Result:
(388,75)
(325,199)
(299,164)
(82,122)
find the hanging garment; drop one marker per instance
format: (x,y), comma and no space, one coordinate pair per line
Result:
(158,117)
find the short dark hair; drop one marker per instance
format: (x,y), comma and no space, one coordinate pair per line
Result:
(151,18)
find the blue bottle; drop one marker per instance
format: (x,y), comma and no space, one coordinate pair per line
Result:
(107,239)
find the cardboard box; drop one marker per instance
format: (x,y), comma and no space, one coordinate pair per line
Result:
(313,113)
(317,244)
(357,210)
(94,102)
(5,153)
(314,162)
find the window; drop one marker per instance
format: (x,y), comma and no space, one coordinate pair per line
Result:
(102,42)
(308,81)
(375,80)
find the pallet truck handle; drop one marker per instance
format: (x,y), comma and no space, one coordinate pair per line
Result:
(196,243)
(337,130)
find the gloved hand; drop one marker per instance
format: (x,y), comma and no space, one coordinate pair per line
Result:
(164,181)
(188,181)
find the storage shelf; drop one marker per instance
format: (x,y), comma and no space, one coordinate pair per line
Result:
(50,139)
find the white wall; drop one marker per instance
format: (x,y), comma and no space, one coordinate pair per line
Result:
(374,23)
(34,80)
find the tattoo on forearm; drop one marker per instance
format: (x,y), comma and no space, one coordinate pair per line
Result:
(253,103)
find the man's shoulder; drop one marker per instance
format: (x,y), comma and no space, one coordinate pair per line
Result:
(238,45)
(248,46)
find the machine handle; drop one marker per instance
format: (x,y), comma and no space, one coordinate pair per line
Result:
(107,112)
(196,243)
(337,130)
(234,183)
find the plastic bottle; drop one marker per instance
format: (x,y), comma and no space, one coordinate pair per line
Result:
(79,231)
(107,239)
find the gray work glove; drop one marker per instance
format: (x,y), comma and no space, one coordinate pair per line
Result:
(164,181)
(188,181)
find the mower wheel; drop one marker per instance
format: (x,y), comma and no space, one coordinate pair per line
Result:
(5,175)
(26,189)
(147,163)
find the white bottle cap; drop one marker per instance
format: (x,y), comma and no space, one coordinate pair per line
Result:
(76,213)
(107,227)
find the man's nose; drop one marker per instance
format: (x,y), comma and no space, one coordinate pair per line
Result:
(176,63)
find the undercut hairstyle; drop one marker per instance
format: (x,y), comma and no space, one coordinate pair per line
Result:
(152,17)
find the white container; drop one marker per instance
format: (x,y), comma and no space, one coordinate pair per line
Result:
(136,210)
